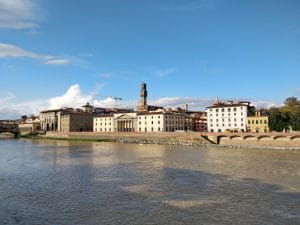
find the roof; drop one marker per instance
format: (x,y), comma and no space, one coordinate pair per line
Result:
(223,105)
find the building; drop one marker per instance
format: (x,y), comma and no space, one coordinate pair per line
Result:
(29,125)
(146,119)
(199,121)
(258,123)
(75,121)
(67,119)
(159,121)
(116,122)
(49,119)
(229,116)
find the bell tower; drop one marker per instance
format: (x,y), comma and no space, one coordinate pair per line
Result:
(143,101)
(143,95)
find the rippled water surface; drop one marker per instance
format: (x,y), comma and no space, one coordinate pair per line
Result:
(59,182)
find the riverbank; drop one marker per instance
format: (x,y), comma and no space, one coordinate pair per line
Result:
(181,139)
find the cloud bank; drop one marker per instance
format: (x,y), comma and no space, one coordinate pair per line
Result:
(18,14)
(10,108)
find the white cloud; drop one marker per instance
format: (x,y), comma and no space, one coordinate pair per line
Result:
(17,14)
(164,72)
(196,103)
(265,104)
(72,98)
(57,62)
(8,50)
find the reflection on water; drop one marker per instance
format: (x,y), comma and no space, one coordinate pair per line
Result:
(60,182)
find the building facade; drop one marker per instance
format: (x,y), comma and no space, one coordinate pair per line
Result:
(230,116)
(76,122)
(29,125)
(140,122)
(66,120)
(258,123)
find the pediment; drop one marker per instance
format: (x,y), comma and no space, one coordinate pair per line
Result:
(124,116)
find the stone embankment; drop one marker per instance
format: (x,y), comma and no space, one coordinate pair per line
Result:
(253,141)
(172,138)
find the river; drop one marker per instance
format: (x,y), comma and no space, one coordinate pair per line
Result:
(61,182)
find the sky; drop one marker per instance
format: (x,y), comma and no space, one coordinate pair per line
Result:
(61,53)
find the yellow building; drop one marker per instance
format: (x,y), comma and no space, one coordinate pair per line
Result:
(258,123)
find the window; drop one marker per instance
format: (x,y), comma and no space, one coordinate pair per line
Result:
(223,110)
(158,128)
(229,125)
(217,110)
(242,124)
(234,119)
(242,119)
(228,114)
(139,122)
(158,122)
(256,121)
(151,122)
(265,121)
(234,109)
(260,121)
(229,109)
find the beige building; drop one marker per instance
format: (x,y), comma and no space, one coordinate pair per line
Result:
(258,123)
(67,119)
(161,122)
(75,121)
(29,125)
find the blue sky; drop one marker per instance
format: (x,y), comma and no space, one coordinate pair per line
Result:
(61,52)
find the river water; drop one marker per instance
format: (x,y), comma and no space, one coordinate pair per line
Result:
(61,182)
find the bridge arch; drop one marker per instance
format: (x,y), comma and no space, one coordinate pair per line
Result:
(295,137)
(281,138)
(250,137)
(265,137)
(236,137)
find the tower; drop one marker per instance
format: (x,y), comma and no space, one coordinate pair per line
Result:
(143,95)
(143,101)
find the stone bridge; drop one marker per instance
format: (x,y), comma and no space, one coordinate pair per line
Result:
(272,139)
(9,127)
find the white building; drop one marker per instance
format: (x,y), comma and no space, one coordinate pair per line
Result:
(117,122)
(230,116)
(159,121)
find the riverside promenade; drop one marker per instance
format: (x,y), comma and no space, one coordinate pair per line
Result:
(249,140)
